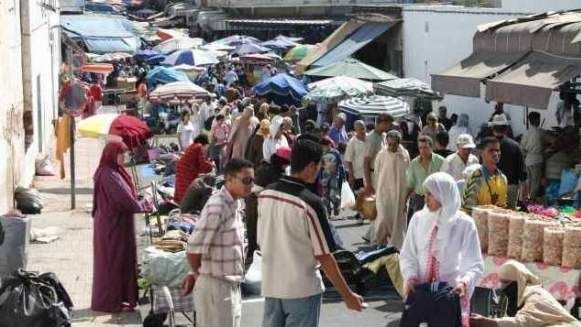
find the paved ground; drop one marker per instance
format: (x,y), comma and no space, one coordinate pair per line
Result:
(70,257)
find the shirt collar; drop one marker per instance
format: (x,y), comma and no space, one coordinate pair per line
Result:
(227,196)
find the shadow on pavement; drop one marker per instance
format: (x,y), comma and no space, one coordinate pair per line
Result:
(66,190)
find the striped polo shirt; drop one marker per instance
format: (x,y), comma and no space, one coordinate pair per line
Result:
(292,230)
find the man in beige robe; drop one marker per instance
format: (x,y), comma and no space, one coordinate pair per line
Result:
(534,306)
(391,189)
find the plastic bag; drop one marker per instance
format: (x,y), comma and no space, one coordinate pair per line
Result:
(347,196)
(44,167)
(29,300)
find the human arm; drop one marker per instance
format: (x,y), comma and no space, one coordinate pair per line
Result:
(349,157)
(120,195)
(408,261)
(472,264)
(195,261)
(204,165)
(367,175)
(352,300)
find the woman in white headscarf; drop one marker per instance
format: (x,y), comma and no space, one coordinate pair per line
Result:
(441,243)
(461,127)
(275,140)
(529,304)
(242,130)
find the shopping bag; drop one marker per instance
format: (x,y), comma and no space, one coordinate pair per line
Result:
(347,196)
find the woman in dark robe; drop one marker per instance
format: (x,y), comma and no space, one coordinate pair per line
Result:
(114,248)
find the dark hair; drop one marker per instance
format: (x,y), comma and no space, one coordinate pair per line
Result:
(219,117)
(426,139)
(235,165)
(534,118)
(485,142)
(305,152)
(202,139)
(384,117)
(313,136)
(183,114)
(325,127)
(443,138)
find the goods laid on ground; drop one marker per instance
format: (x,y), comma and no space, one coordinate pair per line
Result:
(528,237)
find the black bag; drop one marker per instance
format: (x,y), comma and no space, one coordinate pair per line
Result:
(355,275)
(1,234)
(28,300)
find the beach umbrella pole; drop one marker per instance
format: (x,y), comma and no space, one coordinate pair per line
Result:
(72,165)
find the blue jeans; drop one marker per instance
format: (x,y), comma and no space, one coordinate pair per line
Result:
(302,312)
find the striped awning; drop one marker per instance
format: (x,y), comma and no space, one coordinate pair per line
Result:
(374,105)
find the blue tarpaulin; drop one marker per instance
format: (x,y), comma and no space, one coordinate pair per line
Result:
(357,40)
(164,75)
(101,34)
(282,89)
(145,54)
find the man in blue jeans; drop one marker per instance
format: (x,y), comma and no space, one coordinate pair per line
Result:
(295,240)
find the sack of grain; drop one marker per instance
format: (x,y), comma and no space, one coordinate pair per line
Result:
(532,246)
(572,248)
(515,235)
(553,245)
(480,216)
(498,221)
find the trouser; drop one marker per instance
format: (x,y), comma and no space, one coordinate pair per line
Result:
(512,195)
(302,312)
(416,203)
(534,173)
(217,302)
(251,225)
(433,303)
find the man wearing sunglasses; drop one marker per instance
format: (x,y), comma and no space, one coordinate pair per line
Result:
(215,250)
(295,239)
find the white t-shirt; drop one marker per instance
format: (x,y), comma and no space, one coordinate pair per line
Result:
(355,153)
(270,145)
(186,133)
(454,165)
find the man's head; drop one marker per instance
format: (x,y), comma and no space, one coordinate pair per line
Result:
(383,122)
(326,143)
(490,151)
(499,125)
(442,140)
(306,160)
(359,127)
(534,118)
(432,119)
(442,111)
(499,108)
(515,278)
(425,146)
(393,138)
(239,176)
(203,140)
(324,129)
(340,120)
(465,144)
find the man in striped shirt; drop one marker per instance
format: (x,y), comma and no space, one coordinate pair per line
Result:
(295,240)
(215,251)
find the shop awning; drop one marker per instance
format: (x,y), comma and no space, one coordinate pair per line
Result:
(329,43)
(101,34)
(357,40)
(465,78)
(531,81)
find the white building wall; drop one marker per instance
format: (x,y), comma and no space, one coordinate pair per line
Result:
(40,57)
(536,6)
(11,128)
(438,37)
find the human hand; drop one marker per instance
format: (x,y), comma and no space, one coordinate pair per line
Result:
(460,289)
(409,287)
(480,321)
(188,284)
(369,190)
(354,301)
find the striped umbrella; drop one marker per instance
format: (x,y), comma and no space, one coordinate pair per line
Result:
(174,44)
(177,90)
(371,106)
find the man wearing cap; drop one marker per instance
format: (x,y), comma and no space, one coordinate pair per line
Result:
(337,133)
(456,163)
(511,162)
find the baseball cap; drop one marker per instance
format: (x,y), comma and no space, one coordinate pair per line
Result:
(465,141)
(342,116)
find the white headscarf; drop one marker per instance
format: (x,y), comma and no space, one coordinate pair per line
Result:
(275,125)
(444,188)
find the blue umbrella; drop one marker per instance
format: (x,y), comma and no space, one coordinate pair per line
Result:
(145,54)
(156,60)
(247,48)
(277,44)
(194,57)
(282,89)
(164,75)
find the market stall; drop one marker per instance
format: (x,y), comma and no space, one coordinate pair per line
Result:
(367,108)
(547,242)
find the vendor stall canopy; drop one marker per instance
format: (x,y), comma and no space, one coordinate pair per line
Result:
(408,87)
(521,61)
(101,34)
(373,105)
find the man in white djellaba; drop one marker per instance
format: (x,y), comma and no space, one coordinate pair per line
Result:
(450,252)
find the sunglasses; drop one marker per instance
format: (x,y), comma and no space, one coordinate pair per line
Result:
(245,180)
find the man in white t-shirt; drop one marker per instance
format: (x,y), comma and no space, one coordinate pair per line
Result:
(456,163)
(354,156)
(295,239)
